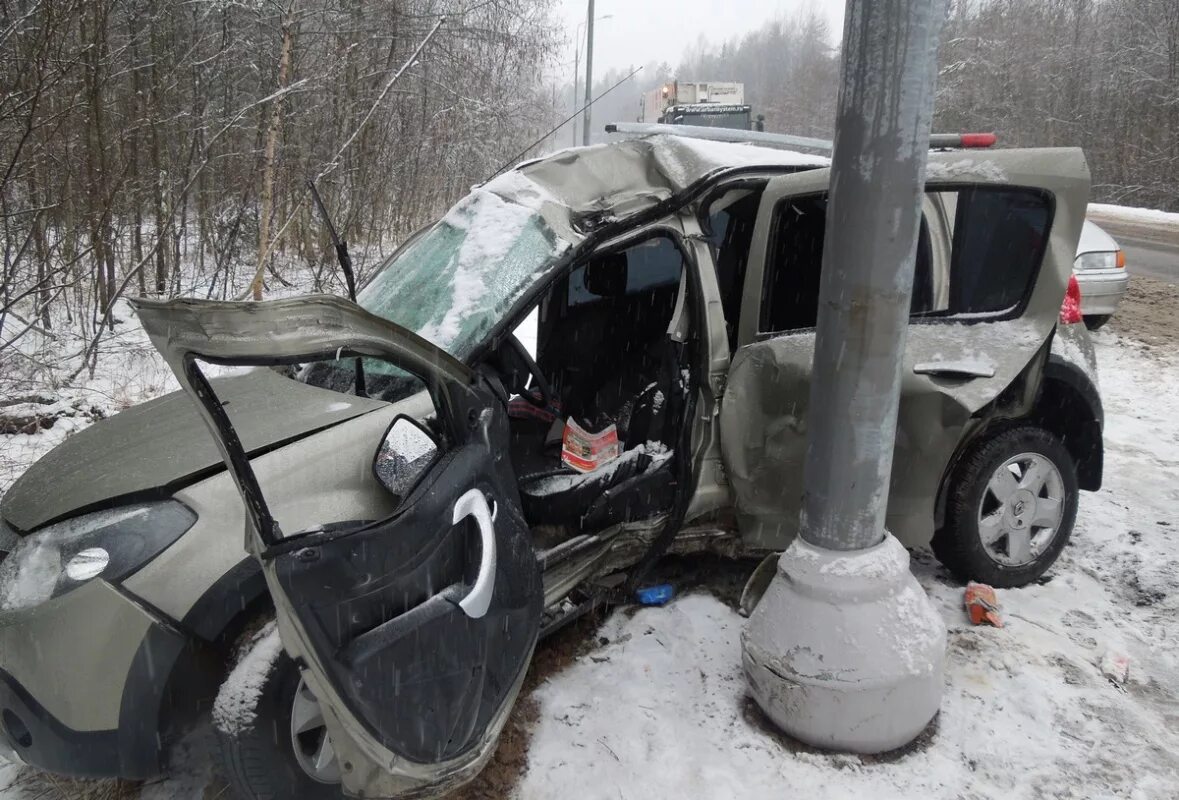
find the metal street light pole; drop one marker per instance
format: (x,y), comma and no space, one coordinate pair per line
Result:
(576,75)
(845,650)
(589,71)
(577,66)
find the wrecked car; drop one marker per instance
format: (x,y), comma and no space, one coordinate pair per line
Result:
(402,492)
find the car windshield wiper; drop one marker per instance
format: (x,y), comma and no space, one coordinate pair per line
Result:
(345,260)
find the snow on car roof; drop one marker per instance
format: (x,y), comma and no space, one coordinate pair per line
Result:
(622,177)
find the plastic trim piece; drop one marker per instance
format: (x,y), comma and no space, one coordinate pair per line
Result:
(474,504)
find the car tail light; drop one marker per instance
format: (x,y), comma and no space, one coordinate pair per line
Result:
(1121,259)
(1070,309)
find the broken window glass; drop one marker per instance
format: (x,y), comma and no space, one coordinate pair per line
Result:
(459,278)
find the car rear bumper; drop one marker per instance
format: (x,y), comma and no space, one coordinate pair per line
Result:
(1102,290)
(80,709)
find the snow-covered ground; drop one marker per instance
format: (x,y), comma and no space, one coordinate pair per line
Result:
(1144,216)
(656,705)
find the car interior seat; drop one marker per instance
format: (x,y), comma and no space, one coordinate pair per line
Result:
(632,381)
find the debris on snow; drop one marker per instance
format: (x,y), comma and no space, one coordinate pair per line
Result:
(982,605)
(657,595)
(235,709)
(1115,666)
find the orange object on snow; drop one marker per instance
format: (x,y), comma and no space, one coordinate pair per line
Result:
(982,605)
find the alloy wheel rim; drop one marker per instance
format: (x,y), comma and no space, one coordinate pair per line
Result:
(1021,509)
(309,737)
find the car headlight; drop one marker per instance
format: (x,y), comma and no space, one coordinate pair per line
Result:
(110,544)
(1096,261)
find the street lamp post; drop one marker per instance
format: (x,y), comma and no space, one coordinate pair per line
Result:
(576,77)
(589,72)
(845,650)
(577,66)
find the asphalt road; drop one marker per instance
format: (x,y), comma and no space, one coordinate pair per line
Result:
(1152,259)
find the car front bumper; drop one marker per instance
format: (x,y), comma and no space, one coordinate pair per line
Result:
(1101,289)
(85,684)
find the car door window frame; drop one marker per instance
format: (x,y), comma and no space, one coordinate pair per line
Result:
(937,258)
(1016,310)
(731,307)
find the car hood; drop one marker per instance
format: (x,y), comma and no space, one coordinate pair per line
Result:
(156,447)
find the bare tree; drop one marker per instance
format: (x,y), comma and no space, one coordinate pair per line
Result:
(160,146)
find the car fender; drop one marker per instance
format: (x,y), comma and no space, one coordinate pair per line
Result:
(1069,406)
(1066,403)
(240,591)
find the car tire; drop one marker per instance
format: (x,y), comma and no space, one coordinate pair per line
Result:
(1002,495)
(1095,321)
(258,759)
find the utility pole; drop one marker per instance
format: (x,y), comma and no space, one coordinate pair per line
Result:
(576,75)
(589,71)
(845,650)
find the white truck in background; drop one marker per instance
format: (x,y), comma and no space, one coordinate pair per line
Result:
(714,104)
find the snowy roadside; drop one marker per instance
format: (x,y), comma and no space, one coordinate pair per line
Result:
(1166,220)
(656,707)
(130,372)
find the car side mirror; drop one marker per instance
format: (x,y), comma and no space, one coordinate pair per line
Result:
(405,454)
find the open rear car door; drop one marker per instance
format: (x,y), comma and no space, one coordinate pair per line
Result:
(415,631)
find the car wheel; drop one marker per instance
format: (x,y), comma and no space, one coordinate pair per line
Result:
(1095,321)
(1010,510)
(284,751)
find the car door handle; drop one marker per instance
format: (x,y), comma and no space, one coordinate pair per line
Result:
(961,370)
(478,600)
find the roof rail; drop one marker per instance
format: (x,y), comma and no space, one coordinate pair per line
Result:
(784,140)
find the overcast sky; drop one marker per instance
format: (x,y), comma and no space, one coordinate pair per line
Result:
(640,31)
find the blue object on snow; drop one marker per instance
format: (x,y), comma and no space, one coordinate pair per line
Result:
(655,595)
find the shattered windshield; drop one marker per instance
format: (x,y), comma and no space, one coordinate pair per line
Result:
(451,285)
(455,281)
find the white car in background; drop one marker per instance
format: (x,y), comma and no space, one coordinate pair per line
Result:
(1100,268)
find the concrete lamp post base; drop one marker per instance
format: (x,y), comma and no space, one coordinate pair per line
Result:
(845,651)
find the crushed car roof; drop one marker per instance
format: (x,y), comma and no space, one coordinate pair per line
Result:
(627,176)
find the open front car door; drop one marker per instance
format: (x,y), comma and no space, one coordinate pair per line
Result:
(414,631)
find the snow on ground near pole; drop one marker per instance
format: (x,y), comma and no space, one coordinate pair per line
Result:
(1141,216)
(661,711)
